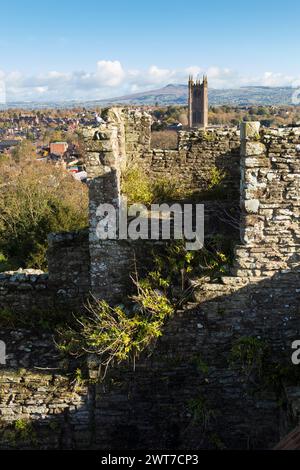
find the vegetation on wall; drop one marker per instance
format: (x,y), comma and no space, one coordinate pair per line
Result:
(123,332)
(217,177)
(177,265)
(136,186)
(255,361)
(140,189)
(201,410)
(247,353)
(18,431)
(117,334)
(217,189)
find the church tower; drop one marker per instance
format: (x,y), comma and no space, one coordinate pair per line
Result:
(198,103)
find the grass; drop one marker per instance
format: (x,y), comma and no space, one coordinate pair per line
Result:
(140,189)
(165,140)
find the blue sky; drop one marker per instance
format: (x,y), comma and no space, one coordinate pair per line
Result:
(96,49)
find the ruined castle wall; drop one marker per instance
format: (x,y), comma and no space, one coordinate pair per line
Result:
(138,133)
(124,140)
(110,260)
(187,394)
(199,153)
(153,405)
(25,291)
(69,264)
(65,286)
(36,391)
(270,187)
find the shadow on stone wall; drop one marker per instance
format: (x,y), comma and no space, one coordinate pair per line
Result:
(184,395)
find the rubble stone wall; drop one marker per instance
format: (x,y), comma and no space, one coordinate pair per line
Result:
(65,286)
(105,158)
(37,393)
(69,265)
(270,188)
(24,290)
(123,140)
(187,393)
(199,153)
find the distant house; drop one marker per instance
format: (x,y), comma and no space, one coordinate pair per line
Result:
(175,126)
(8,144)
(58,148)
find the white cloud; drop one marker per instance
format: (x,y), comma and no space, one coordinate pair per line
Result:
(111,79)
(109,73)
(277,79)
(194,70)
(157,75)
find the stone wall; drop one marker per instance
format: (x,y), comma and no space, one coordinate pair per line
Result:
(65,286)
(270,187)
(138,133)
(124,140)
(199,152)
(24,290)
(105,158)
(69,265)
(35,391)
(184,395)
(187,393)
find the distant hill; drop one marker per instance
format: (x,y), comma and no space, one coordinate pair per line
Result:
(177,95)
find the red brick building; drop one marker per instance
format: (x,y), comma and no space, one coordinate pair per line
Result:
(58,148)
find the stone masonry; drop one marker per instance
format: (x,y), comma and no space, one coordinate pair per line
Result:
(65,286)
(106,157)
(270,188)
(80,263)
(199,152)
(124,140)
(153,406)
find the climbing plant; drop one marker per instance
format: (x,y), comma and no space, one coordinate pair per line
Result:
(117,334)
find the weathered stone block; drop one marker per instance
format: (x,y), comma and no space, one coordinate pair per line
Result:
(251,206)
(249,130)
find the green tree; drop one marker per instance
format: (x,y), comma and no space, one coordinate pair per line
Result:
(36,198)
(25,150)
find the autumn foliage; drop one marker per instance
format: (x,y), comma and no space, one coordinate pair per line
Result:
(36,198)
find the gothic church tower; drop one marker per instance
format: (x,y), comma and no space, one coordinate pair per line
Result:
(198,103)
